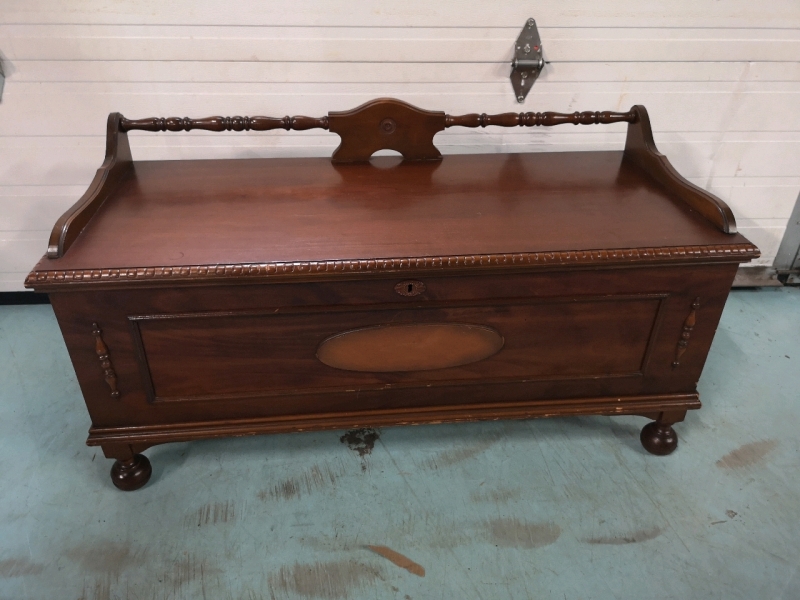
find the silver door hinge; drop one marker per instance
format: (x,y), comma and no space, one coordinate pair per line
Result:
(528,61)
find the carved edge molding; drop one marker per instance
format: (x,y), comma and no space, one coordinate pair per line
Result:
(105,362)
(686,333)
(726,252)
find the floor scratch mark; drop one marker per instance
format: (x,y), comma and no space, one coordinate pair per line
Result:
(212,513)
(514,533)
(316,478)
(330,580)
(635,537)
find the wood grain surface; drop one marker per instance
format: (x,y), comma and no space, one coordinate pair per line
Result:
(410,347)
(254,211)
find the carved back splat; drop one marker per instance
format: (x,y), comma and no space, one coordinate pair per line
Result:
(386,124)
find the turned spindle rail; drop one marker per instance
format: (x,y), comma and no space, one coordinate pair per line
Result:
(223,123)
(301,123)
(382,124)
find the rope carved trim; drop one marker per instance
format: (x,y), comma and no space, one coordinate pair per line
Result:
(728,252)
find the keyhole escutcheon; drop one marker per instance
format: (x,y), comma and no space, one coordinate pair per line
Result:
(410,287)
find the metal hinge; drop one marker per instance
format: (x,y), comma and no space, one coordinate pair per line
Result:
(2,76)
(528,61)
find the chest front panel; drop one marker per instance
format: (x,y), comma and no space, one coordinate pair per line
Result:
(410,340)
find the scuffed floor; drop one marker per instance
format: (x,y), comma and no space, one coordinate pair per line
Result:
(561,508)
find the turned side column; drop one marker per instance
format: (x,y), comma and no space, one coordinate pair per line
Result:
(130,470)
(659,437)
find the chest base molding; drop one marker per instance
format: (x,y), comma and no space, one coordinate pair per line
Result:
(147,436)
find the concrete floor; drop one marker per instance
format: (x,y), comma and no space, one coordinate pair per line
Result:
(561,508)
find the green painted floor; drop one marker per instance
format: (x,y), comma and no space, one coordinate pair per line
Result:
(561,508)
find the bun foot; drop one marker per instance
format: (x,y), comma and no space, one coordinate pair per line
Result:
(132,473)
(659,438)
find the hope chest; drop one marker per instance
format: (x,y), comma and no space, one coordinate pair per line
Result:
(207,298)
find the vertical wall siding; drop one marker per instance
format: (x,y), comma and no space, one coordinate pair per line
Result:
(721,82)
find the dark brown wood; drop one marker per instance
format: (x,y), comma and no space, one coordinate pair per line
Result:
(547,119)
(147,436)
(101,350)
(308,218)
(360,117)
(640,149)
(115,168)
(238,297)
(659,437)
(131,469)
(688,326)
(297,123)
(386,124)
(132,473)
(45,280)
(247,338)
(237,354)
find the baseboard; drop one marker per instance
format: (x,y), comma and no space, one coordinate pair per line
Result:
(23,298)
(749,277)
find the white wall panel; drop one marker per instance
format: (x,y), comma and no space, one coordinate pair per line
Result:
(396,44)
(81,108)
(767,236)
(755,198)
(411,13)
(218,72)
(721,81)
(34,207)
(17,249)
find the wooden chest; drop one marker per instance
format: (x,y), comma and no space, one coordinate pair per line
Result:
(233,297)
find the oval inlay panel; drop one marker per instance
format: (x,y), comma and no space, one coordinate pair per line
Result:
(387,348)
